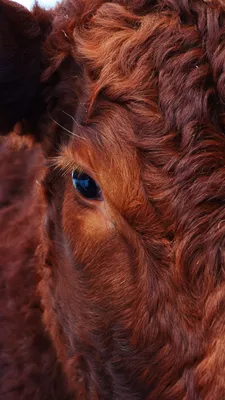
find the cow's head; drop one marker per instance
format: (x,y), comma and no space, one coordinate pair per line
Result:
(122,99)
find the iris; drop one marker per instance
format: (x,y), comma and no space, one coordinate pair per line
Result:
(86,186)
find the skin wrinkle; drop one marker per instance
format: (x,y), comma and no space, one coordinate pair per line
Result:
(128,293)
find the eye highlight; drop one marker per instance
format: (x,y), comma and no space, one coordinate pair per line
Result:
(86,186)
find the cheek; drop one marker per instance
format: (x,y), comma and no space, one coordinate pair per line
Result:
(85,227)
(94,273)
(100,257)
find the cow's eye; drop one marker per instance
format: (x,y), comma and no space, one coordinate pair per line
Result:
(86,186)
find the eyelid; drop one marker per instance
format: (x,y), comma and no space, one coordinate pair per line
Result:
(79,169)
(73,162)
(66,164)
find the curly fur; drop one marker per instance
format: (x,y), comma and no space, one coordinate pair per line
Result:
(132,288)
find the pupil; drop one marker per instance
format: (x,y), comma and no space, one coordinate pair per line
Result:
(86,186)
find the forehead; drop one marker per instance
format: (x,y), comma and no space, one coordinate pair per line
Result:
(120,86)
(105,141)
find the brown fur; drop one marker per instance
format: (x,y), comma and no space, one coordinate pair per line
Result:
(132,287)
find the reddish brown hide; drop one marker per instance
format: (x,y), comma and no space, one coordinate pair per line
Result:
(122,297)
